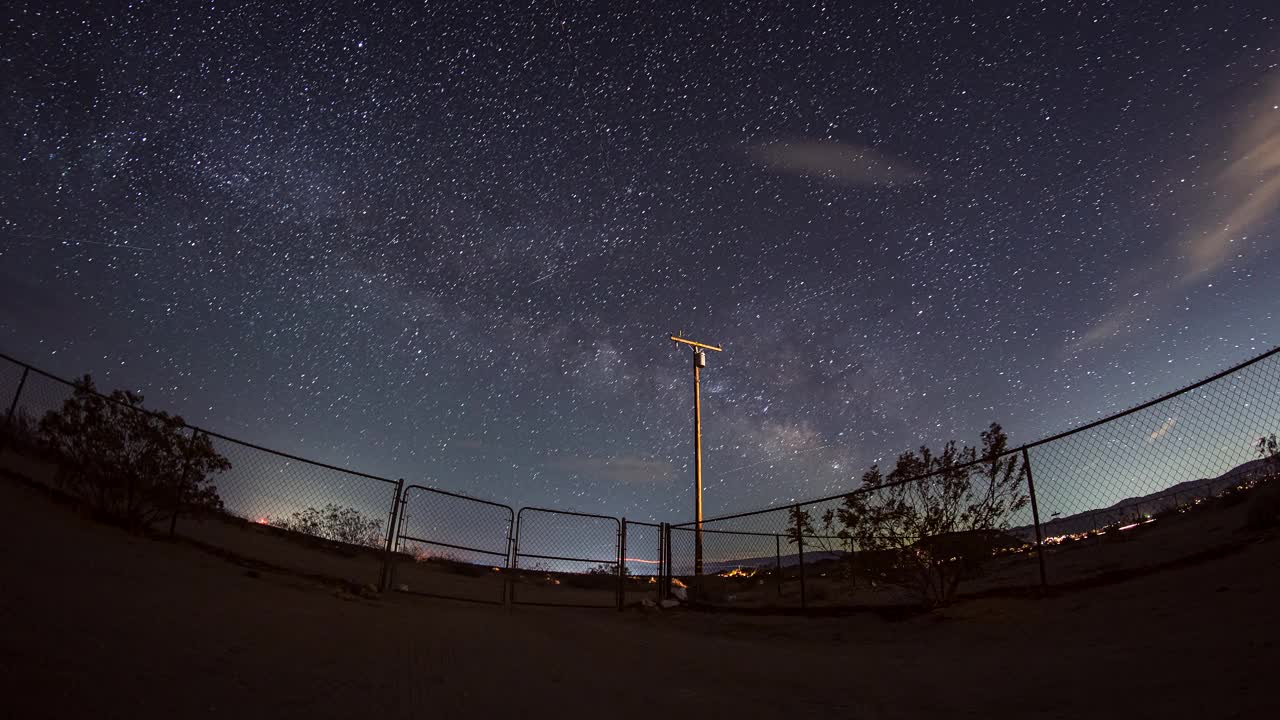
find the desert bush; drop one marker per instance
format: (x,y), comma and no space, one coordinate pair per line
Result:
(335,522)
(601,576)
(427,553)
(610,569)
(934,520)
(823,539)
(1268,447)
(129,464)
(1264,501)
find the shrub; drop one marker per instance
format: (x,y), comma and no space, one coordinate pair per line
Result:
(335,522)
(1268,447)
(610,569)
(129,464)
(935,519)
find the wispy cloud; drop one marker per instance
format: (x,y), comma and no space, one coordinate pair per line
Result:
(1238,196)
(1164,429)
(626,469)
(1247,190)
(842,162)
(1107,326)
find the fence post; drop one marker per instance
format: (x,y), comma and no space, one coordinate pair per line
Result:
(13,407)
(515,559)
(662,559)
(1035,516)
(182,482)
(777,550)
(392,521)
(508,583)
(800,545)
(666,541)
(622,563)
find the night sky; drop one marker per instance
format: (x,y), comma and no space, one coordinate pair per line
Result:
(447,242)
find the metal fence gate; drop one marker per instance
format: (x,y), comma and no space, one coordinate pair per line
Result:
(452,546)
(567,559)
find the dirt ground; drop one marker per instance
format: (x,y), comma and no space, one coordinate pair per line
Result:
(98,623)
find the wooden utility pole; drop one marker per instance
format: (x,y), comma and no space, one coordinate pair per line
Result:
(699,362)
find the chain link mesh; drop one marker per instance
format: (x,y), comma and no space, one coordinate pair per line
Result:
(566,558)
(642,563)
(453,546)
(1157,484)
(1154,485)
(295,514)
(1164,482)
(22,449)
(270,508)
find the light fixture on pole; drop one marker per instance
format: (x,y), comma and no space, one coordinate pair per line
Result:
(699,362)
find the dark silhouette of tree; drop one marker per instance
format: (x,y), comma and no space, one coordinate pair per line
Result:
(128,463)
(1264,507)
(799,523)
(335,522)
(935,519)
(1269,449)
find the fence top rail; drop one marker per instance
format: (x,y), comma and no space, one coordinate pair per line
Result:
(860,490)
(642,524)
(1011,451)
(460,496)
(751,533)
(569,512)
(136,408)
(295,458)
(1167,396)
(196,428)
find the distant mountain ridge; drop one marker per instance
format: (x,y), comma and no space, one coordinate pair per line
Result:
(1149,504)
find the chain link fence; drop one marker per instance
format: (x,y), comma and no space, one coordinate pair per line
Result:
(153,471)
(300,515)
(1180,477)
(452,546)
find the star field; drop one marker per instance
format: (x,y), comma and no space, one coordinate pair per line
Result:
(448,241)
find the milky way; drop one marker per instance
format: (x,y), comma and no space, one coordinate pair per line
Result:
(448,242)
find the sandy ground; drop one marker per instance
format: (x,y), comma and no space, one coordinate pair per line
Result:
(99,623)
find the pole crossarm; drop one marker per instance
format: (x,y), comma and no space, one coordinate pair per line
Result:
(696,344)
